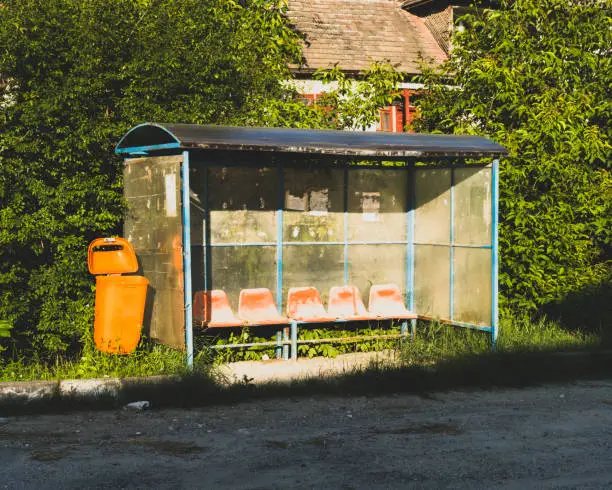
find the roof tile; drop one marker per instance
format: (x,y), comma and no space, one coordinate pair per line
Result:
(353,33)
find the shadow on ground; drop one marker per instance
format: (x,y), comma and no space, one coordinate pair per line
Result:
(477,372)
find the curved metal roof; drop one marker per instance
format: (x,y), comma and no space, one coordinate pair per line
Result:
(153,137)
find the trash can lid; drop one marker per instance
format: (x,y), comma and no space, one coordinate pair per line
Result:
(111,256)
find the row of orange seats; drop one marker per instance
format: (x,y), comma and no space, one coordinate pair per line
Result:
(257,307)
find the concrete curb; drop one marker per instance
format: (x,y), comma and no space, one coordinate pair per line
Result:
(33,394)
(24,392)
(116,391)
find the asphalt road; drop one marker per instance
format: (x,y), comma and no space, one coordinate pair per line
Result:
(555,436)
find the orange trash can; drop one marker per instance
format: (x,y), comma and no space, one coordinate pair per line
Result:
(120,300)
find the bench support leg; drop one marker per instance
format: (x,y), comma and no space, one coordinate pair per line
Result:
(279,345)
(294,351)
(413,329)
(285,346)
(404,328)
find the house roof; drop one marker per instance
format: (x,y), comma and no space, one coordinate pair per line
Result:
(156,137)
(353,33)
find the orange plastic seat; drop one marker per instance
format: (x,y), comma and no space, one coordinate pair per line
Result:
(386,301)
(345,303)
(256,307)
(213,308)
(304,304)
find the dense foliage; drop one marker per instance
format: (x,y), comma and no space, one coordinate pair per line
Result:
(79,74)
(355,104)
(75,76)
(536,76)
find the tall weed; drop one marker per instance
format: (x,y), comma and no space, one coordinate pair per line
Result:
(520,333)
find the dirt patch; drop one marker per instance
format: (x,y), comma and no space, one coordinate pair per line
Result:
(50,454)
(443,429)
(276,444)
(169,448)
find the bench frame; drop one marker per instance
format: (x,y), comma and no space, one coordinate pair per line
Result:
(287,339)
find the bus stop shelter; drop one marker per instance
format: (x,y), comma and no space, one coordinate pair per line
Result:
(231,208)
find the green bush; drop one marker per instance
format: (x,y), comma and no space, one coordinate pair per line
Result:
(80,74)
(535,76)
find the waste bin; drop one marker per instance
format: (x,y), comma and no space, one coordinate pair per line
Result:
(120,300)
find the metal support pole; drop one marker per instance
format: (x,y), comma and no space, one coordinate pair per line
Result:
(494,251)
(187,261)
(208,285)
(281,349)
(346,227)
(451,306)
(410,230)
(279,236)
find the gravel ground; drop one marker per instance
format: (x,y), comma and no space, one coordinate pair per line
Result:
(555,436)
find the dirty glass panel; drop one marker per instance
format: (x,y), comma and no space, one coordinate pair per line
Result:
(153,226)
(243,202)
(472,207)
(164,319)
(377,204)
(432,199)
(197,206)
(152,187)
(432,280)
(197,180)
(320,266)
(236,268)
(377,264)
(472,286)
(198,265)
(314,205)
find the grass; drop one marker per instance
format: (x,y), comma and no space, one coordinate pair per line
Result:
(517,334)
(149,359)
(440,358)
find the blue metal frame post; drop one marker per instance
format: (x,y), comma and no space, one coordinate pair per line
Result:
(346,227)
(494,251)
(187,260)
(451,294)
(282,350)
(410,228)
(279,236)
(207,241)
